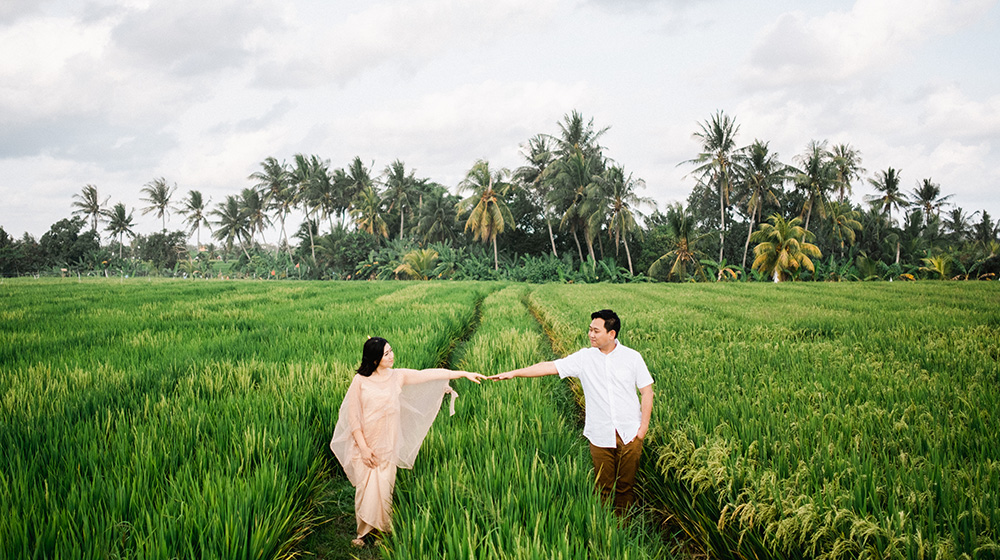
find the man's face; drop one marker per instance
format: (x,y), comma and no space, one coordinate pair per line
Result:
(599,336)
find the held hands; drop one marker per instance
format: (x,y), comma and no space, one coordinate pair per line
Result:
(473,376)
(502,376)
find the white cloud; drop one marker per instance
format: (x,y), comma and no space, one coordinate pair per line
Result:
(337,47)
(837,46)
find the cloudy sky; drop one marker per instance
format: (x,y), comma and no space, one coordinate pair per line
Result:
(116,93)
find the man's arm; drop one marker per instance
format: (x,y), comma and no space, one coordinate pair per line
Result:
(647,409)
(537,370)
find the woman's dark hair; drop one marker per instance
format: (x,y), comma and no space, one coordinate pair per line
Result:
(371,355)
(611,320)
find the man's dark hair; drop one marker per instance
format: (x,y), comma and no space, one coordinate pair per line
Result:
(611,320)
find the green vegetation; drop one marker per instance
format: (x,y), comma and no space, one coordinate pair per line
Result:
(829,421)
(569,213)
(165,418)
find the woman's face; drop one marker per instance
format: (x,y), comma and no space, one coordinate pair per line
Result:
(387,357)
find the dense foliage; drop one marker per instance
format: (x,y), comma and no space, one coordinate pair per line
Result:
(568,213)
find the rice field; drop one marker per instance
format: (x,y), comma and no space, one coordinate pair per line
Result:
(816,420)
(178,418)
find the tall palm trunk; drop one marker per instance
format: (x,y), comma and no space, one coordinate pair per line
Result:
(579,250)
(628,254)
(552,238)
(722,222)
(496,261)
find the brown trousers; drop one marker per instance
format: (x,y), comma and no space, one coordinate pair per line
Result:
(615,468)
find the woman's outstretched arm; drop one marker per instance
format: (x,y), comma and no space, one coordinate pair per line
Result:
(411,376)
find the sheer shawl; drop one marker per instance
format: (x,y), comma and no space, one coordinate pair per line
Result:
(417,404)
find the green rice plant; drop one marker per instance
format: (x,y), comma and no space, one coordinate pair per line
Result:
(165,419)
(510,475)
(825,421)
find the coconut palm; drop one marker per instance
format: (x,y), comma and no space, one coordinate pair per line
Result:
(194,209)
(302,179)
(119,224)
(714,163)
(367,212)
(89,205)
(487,208)
(957,223)
(575,179)
(783,248)
(232,224)
(845,223)
(253,206)
(356,179)
(847,162)
(437,216)
(939,265)
(399,186)
(621,203)
(761,173)
(274,182)
(575,134)
(887,183)
(817,177)
(418,264)
(537,177)
(681,227)
(158,194)
(928,197)
(985,231)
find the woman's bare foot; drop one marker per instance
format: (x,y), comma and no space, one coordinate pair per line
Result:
(358,542)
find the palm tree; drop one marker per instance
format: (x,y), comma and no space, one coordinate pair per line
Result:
(89,205)
(928,197)
(957,223)
(621,203)
(845,222)
(575,179)
(252,206)
(119,223)
(418,264)
(985,231)
(274,182)
(818,176)
(488,212)
(302,180)
(680,225)
(887,183)
(761,173)
(537,177)
(356,180)
(437,215)
(399,187)
(847,162)
(783,248)
(232,224)
(714,163)
(158,195)
(367,212)
(194,210)
(578,135)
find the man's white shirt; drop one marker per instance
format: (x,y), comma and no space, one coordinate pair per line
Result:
(609,385)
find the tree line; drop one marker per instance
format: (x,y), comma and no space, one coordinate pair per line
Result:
(568,213)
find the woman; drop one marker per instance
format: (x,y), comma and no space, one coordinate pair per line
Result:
(383,420)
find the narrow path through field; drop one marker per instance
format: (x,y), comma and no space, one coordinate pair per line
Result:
(331,538)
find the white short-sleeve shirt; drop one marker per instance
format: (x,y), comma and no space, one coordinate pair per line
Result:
(609,385)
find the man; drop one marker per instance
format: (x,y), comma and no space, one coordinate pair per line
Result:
(616,422)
